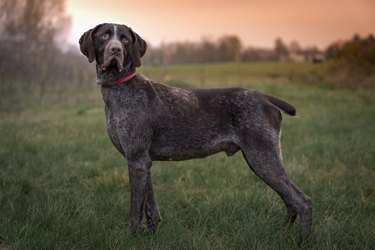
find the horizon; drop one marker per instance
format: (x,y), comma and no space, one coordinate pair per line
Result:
(256,23)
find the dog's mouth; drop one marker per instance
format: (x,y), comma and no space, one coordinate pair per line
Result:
(112,61)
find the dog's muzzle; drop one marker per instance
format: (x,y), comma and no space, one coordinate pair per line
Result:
(113,53)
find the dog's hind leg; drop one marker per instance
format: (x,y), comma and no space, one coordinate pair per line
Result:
(264,158)
(152,211)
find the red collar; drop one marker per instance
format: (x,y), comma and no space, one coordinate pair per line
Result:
(123,79)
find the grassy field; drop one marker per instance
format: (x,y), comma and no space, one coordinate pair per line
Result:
(64,186)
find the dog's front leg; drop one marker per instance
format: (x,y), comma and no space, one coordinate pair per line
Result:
(139,169)
(152,210)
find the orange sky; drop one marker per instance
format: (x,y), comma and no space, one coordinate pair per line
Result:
(256,22)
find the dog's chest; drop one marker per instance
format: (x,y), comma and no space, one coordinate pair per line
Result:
(112,122)
(126,122)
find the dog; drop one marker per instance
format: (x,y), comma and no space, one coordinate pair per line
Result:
(148,121)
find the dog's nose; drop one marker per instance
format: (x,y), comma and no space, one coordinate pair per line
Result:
(115,49)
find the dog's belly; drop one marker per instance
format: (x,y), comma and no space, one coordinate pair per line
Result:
(190,147)
(178,154)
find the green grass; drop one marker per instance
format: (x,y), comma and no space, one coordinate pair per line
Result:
(64,186)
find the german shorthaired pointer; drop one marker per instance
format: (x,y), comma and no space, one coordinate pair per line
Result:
(148,121)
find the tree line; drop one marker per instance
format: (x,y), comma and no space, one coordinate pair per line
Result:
(228,48)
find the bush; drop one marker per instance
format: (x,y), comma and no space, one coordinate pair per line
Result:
(353,61)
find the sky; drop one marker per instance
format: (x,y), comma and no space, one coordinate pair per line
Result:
(256,22)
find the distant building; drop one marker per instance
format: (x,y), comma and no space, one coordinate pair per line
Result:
(307,56)
(297,57)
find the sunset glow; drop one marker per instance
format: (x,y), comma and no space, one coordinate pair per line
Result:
(257,23)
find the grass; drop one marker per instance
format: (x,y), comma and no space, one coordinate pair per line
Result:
(64,186)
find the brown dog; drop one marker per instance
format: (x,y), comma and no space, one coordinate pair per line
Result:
(148,121)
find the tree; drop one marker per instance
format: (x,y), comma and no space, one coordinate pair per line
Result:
(357,54)
(37,22)
(281,50)
(207,50)
(353,59)
(29,33)
(229,48)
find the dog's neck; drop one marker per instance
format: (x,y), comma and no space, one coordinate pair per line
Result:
(106,77)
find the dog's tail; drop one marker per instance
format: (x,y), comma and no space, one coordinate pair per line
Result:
(284,106)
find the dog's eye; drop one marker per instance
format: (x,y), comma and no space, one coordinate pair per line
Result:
(125,40)
(104,36)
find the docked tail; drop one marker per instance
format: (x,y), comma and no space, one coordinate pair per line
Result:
(284,106)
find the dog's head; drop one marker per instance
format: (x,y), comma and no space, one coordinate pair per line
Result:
(113,46)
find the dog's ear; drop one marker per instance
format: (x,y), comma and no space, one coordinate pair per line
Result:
(138,49)
(86,43)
